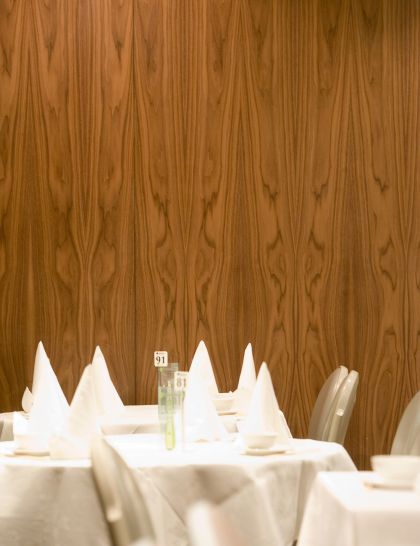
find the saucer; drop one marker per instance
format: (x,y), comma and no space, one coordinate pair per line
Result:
(226,412)
(31,452)
(279,448)
(378,482)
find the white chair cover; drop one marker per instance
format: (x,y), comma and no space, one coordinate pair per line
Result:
(325,403)
(207,526)
(343,408)
(406,439)
(121,498)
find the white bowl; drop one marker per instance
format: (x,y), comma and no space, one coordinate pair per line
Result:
(223,401)
(259,441)
(396,468)
(30,443)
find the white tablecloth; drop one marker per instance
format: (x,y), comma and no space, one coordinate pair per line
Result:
(136,420)
(44,502)
(342,511)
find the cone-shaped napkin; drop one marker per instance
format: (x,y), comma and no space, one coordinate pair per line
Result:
(42,366)
(48,411)
(247,381)
(264,415)
(201,419)
(27,437)
(107,398)
(201,364)
(27,400)
(82,424)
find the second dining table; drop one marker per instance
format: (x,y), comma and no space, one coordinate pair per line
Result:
(357,509)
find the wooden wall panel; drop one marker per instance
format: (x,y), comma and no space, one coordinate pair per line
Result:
(82,96)
(74,272)
(14,226)
(228,170)
(159,196)
(276,163)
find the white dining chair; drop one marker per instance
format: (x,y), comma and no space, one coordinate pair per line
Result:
(320,418)
(343,408)
(122,501)
(207,526)
(407,438)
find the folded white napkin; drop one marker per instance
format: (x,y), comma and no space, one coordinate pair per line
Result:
(42,366)
(27,400)
(108,400)
(82,424)
(247,381)
(264,415)
(27,437)
(200,415)
(201,364)
(48,411)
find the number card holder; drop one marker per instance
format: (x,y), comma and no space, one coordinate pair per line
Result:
(161,359)
(181,381)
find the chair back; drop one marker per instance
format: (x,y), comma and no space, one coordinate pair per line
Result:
(324,404)
(207,526)
(122,501)
(343,408)
(407,438)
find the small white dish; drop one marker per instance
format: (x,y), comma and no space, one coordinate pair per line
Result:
(263,440)
(27,443)
(223,401)
(378,482)
(273,450)
(32,453)
(227,412)
(397,469)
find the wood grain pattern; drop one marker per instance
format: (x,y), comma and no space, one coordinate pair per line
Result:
(14,226)
(228,170)
(159,176)
(75,283)
(287,202)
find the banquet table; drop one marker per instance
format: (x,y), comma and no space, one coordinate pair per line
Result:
(344,508)
(136,420)
(54,502)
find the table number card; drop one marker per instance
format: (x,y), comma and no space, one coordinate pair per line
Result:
(181,381)
(161,359)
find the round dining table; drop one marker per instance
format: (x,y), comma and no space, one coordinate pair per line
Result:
(54,502)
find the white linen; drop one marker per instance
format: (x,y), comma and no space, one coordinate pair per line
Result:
(342,510)
(201,364)
(27,400)
(201,419)
(264,414)
(42,368)
(82,424)
(135,420)
(247,382)
(108,400)
(63,508)
(25,438)
(49,407)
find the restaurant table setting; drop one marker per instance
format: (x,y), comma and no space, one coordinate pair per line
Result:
(46,501)
(363,509)
(261,476)
(114,417)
